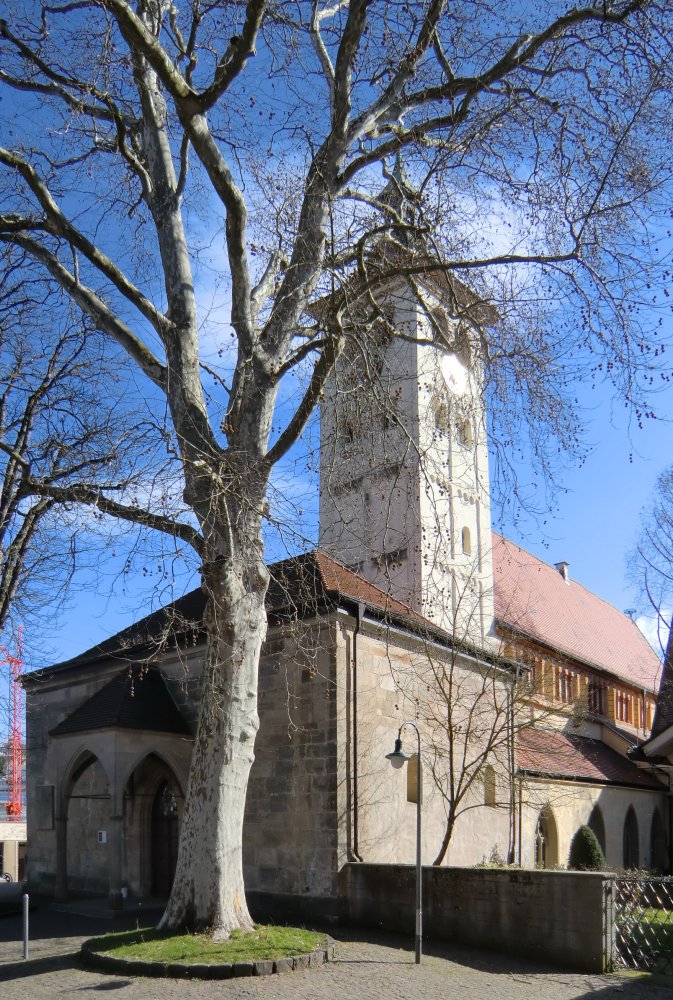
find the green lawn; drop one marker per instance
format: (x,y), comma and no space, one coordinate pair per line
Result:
(264,942)
(650,932)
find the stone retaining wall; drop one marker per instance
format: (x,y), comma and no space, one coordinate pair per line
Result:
(565,918)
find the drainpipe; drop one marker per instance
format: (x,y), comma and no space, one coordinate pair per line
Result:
(355,853)
(520,815)
(511,851)
(511,733)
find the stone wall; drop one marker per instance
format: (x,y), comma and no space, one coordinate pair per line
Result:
(290,833)
(564,918)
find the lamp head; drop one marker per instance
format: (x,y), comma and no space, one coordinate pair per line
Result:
(398,757)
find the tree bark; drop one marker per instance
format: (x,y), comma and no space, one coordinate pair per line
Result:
(446,839)
(208,891)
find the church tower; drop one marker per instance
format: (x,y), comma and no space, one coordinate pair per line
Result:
(404,496)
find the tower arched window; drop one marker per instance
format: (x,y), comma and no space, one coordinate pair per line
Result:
(466,541)
(464,432)
(441,418)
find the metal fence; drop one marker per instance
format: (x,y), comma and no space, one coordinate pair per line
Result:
(644,922)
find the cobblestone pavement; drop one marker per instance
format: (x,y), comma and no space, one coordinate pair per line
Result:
(367,966)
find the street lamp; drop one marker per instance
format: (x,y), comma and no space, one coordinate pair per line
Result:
(397,758)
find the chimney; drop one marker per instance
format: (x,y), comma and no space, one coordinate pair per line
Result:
(564,570)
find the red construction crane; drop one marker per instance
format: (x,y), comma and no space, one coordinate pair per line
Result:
(14,661)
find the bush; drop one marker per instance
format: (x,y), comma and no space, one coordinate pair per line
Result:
(585,851)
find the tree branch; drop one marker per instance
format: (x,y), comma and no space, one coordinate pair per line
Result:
(58,225)
(321,371)
(91,304)
(92,496)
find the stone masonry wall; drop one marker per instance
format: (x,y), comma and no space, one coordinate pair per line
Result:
(565,918)
(290,832)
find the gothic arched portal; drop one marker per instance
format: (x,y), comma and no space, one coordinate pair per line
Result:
(165,839)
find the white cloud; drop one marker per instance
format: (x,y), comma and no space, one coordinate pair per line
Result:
(655,629)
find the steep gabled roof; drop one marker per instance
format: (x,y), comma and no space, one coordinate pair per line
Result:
(138,641)
(136,698)
(533,599)
(553,754)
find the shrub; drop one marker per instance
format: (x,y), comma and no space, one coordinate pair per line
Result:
(585,851)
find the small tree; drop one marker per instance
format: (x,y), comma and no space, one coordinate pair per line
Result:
(652,568)
(472,703)
(585,851)
(62,414)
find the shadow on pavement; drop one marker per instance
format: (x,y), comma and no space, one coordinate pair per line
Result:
(48,923)
(520,978)
(618,986)
(37,966)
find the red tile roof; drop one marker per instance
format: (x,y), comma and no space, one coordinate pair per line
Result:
(338,579)
(532,598)
(554,754)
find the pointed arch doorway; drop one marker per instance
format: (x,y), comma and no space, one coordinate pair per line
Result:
(165,836)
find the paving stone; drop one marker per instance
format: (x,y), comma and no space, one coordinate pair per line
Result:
(366,966)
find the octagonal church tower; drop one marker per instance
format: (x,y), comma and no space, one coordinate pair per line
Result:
(404,494)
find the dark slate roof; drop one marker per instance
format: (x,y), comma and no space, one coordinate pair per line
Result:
(303,586)
(553,754)
(136,698)
(140,641)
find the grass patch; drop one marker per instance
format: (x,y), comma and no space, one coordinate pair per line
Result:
(647,934)
(265,941)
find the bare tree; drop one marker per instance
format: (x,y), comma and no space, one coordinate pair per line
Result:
(472,704)
(131,126)
(61,417)
(652,567)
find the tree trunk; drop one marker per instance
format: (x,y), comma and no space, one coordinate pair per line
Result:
(208,890)
(446,840)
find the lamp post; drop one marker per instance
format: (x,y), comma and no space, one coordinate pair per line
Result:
(398,758)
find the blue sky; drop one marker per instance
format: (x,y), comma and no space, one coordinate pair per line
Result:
(593,528)
(595,519)
(595,525)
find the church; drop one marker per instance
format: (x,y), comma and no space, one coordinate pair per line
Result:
(531,695)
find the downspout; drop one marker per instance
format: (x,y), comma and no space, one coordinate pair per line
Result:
(511,849)
(520,815)
(511,854)
(355,853)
